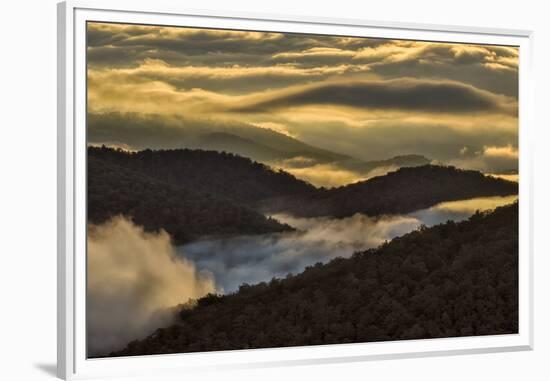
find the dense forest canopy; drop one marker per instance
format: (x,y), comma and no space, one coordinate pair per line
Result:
(403,191)
(196,193)
(218,173)
(453,279)
(255,185)
(154,204)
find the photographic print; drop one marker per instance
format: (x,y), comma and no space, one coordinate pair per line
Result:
(254,189)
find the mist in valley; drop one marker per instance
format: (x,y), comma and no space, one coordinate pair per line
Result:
(134,281)
(252,259)
(136,278)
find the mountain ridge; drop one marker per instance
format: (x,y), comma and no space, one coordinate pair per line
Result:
(257,186)
(402,191)
(156,205)
(226,175)
(258,143)
(273,154)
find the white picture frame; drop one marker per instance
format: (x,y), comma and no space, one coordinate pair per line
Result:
(72,362)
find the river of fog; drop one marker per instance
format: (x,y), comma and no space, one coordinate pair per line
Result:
(252,259)
(157,276)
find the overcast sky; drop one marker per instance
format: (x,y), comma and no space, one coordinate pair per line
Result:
(365,97)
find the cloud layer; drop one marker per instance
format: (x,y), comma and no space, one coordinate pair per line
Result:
(134,278)
(405,94)
(365,97)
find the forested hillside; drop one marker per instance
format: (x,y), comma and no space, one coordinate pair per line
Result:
(222,174)
(255,185)
(454,279)
(403,191)
(183,212)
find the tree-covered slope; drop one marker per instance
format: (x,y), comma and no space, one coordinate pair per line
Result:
(255,185)
(454,279)
(221,174)
(402,191)
(184,213)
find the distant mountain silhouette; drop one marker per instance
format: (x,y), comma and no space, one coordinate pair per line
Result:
(154,204)
(453,279)
(225,142)
(260,144)
(264,145)
(402,191)
(391,163)
(136,131)
(269,146)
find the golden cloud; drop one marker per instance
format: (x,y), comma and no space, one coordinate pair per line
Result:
(351,95)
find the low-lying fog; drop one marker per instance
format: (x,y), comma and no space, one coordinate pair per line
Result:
(252,259)
(135,277)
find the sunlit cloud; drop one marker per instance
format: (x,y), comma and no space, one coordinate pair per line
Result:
(325,175)
(507,152)
(328,175)
(505,176)
(499,160)
(461,209)
(363,97)
(277,127)
(234,79)
(405,94)
(134,278)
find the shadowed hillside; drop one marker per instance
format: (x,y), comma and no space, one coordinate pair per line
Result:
(255,185)
(454,279)
(402,191)
(184,213)
(222,174)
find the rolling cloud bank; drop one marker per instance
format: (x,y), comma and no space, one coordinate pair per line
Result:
(159,87)
(134,278)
